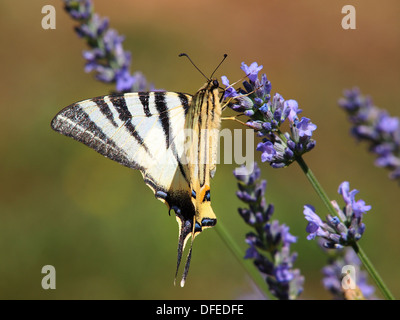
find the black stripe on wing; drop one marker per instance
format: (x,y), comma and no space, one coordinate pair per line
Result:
(144,99)
(125,116)
(105,110)
(74,122)
(161,106)
(184,101)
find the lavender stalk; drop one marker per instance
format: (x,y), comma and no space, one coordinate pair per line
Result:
(338,262)
(106,56)
(375,127)
(270,242)
(279,148)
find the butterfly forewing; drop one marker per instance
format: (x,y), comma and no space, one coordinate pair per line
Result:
(130,129)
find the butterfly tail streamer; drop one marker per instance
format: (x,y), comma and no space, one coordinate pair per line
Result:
(186,270)
(186,230)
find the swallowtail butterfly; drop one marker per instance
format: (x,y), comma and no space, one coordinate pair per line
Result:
(170,137)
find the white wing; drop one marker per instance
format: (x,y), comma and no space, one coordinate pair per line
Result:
(142,131)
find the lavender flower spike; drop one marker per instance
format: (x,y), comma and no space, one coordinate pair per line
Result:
(267,115)
(106,57)
(342,260)
(269,243)
(376,127)
(344,229)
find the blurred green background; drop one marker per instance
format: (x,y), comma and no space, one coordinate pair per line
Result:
(96,221)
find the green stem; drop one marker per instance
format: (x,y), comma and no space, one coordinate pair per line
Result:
(374,274)
(317,187)
(248,265)
(361,254)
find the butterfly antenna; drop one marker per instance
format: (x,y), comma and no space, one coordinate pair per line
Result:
(223,59)
(185,55)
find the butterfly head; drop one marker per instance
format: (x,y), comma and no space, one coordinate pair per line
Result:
(215,84)
(210,86)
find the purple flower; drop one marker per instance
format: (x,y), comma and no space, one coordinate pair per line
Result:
(249,178)
(334,273)
(263,88)
(124,80)
(305,127)
(269,245)
(387,124)
(344,191)
(92,28)
(106,56)
(252,71)
(287,237)
(251,252)
(283,273)
(315,225)
(79,10)
(230,92)
(91,57)
(293,107)
(388,160)
(343,230)
(352,101)
(266,116)
(268,151)
(376,127)
(358,207)
(249,113)
(113,44)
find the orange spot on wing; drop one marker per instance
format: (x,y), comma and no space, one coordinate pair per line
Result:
(203,191)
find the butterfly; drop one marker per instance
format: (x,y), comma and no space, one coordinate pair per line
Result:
(171,137)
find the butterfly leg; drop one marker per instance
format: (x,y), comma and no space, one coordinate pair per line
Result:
(231,99)
(235,119)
